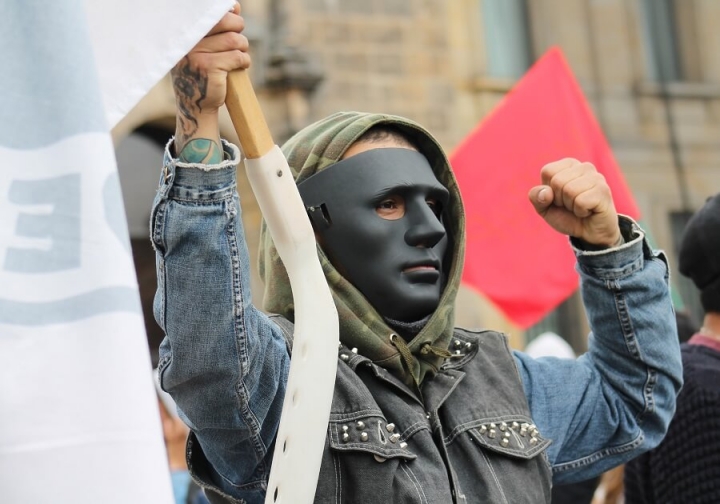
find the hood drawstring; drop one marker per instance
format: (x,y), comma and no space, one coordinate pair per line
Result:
(405,353)
(427,348)
(408,358)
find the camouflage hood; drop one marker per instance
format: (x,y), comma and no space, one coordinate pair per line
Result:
(317,147)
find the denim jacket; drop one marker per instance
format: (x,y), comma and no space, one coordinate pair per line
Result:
(225,362)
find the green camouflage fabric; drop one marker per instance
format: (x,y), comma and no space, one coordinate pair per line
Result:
(317,147)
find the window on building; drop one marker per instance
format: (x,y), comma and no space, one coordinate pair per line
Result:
(669,33)
(507,37)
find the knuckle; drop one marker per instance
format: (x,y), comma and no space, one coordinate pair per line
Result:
(234,41)
(547,171)
(201,62)
(552,169)
(226,19)
(564,163)
(600,182)
(242,59)
(243,42)
(587,166)
(231,40)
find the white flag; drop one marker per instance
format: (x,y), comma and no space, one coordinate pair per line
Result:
(79,419)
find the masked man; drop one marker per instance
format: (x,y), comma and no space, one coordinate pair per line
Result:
(422,411)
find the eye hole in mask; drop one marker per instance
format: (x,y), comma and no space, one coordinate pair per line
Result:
(393,207)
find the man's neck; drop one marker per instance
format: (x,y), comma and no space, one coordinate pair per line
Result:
(711,326)
(408,330)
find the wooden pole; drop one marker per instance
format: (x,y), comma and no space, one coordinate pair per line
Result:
(246,115)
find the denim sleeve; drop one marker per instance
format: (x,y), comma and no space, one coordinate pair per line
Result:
(617,400)
(223,361)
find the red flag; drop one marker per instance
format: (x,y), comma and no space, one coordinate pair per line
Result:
(513,257)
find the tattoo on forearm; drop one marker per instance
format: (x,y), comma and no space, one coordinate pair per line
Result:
(201,150)
(190,89)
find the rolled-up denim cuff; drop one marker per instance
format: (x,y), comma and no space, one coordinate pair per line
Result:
(232,157)
(620,261)
(199,182)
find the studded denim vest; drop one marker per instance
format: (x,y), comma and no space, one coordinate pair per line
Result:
(470,439)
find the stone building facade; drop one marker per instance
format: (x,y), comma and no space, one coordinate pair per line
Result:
(648,67)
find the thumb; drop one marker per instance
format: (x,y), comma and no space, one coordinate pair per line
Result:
(541,198)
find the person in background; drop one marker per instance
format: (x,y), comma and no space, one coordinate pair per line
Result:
(685,467)
(549,344)
(176,433)
(611,489)
(687,327)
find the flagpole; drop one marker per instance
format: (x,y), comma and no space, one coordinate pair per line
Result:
(306,408)
(247,116)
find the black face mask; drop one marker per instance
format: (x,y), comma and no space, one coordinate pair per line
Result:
(378,217)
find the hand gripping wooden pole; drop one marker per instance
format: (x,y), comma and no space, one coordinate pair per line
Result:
(306,408)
